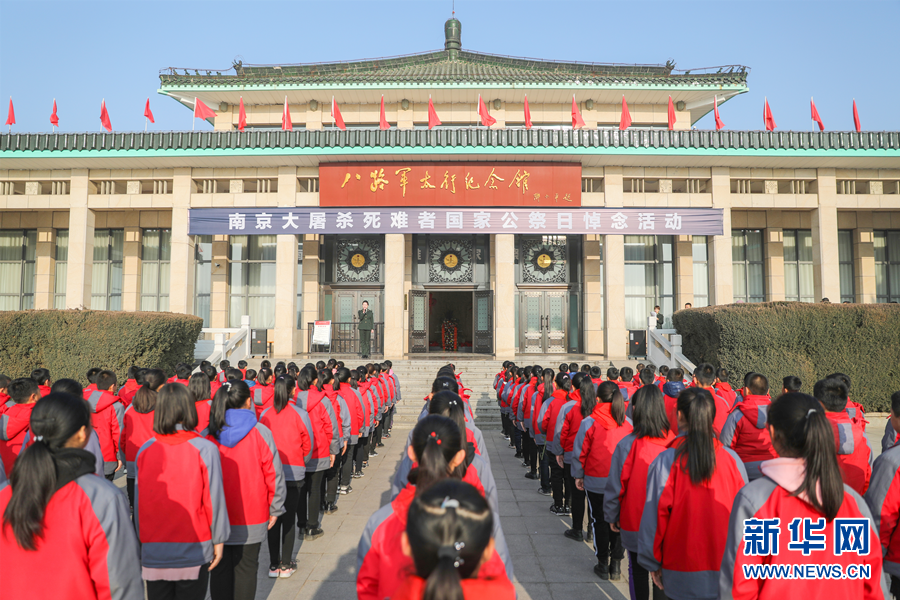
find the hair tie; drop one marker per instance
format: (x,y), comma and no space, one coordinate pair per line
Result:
(810,411)
(227,386)
(452,552)
(450,503)
(436,438)
(39,438)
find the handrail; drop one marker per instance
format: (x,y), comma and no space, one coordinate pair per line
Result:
(345,338)
(662,350)
(235,347)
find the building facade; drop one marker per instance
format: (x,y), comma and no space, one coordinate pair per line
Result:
(566,259)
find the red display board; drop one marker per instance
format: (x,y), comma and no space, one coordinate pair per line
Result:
(551,185)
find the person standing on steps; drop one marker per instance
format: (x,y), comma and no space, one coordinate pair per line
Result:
(366,324)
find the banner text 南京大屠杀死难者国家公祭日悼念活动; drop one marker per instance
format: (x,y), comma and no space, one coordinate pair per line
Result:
(537,221)
(437,184)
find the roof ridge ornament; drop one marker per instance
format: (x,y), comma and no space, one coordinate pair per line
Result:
(453,37)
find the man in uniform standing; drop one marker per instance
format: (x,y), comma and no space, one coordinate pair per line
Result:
(366,324)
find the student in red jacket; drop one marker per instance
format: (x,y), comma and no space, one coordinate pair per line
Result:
(627,383)
(41,376)
(791,384)
(180,511)
(130,388)
(327,384)
(883,498)
(347,390)
(855,456)
(671,390)
(690,489)
(91,377)
(201,392)
(705,377)
(448,538)
(292,430)
(264,390)
(326,437)
(802,498)
(587,400)
(137,425)
(24,392)
(108,420)
(562,385)
(70,386)
(745,430)
(57,512)
(591,460)
(253,480)
(437,447)
(723,388)
(626,486)
(854,409)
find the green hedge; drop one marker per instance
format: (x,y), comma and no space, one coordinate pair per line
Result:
(69,342)
(807,340)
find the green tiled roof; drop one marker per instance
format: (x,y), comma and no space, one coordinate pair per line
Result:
(21,145)
(443,67)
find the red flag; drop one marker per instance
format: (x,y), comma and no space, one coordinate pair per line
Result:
(625,121)
(768,118)
(719,123)
(11,115)
(527,114)
(336,114)
(382,119)
(814,115)
(147,112)
(286,123)
(104,116)
(577,121)
(671,114)
(856,117)
(242,116)
(486,119)
(54,119)
(433,120)
(202,111)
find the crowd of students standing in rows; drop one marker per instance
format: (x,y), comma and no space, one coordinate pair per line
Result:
(217,462)
(690,476)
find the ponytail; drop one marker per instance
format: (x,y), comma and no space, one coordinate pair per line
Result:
(699,410)
(342,375)
(305,378)
(803,431)
(323,377)
(232,394)
(449,528)
(263,376)
(284,389)
(547,378)
(435,441)
(145,398)
(54,419)
(609,393)
(563,382)
(589,398)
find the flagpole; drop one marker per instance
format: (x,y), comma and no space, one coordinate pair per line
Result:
(812,124)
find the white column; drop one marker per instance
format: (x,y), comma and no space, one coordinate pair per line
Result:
(394,315)
(721,291)
(504,296)
(81,243)
(181,273)
(286,295)
(826,277)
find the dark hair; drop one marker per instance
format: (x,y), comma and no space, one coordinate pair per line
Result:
(263,376)
(563,382)
(67,386)
(675,374)
(577,378)
(284,389)
(435,441)
(54,419)
(199,387)
(342,376)
(91,374)
(609,393)
(663,370)
(183,371)
(40,375)
(627,373)
(647,376)
(895,403)
(640,367)
(232,394)
(4,382)
(145,398)
(242,364)
(389,364)
(596,372)
(20,390)
(105,380)
(209,371)
(547,379)
(699,410)
(563,368)
(320,364)
(445,383)
(803,431)
(305,378)
(450,405)
(132,372)
(612,373)
(232,374)
(588,397)
(449,527)
(705,374)
(250,375)
(649,412)
(722,375)
(586,368)
(224,364)
(573,366)
(174,406)
(265,364)
(792,383)
(323,377)
(832,393)
(842,377)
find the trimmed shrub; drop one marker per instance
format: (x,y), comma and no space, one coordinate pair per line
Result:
(807,340)
(69,342)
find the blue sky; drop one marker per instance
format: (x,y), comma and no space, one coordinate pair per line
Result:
(81,52)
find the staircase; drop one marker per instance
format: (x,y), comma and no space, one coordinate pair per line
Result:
(417,375)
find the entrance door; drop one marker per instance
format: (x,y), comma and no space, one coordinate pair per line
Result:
(543,322)
(435,315)
(344,333)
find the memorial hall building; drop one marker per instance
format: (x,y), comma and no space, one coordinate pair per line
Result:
(523,236)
